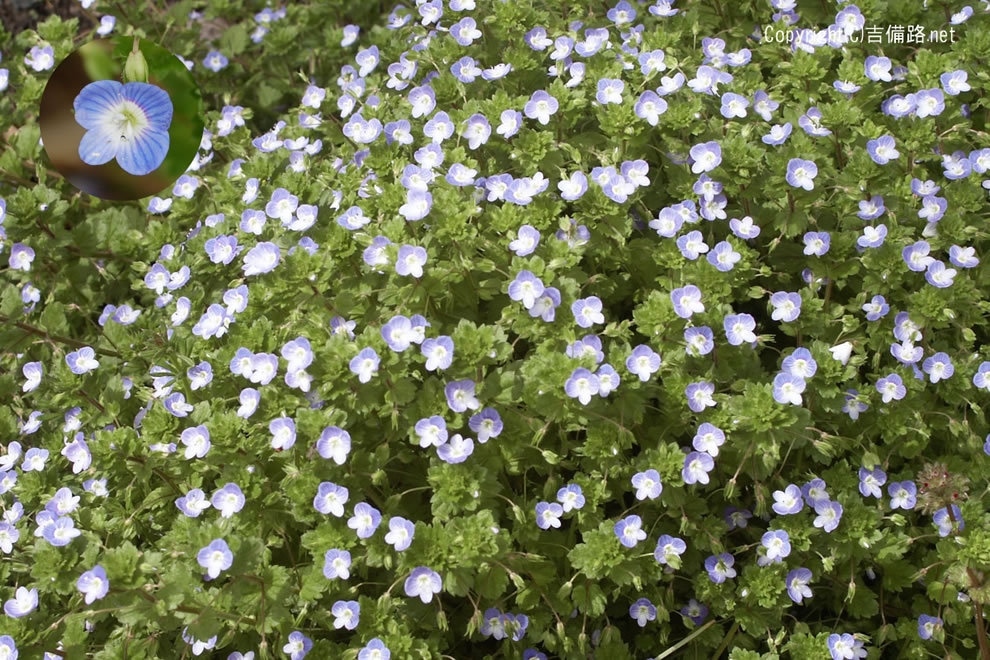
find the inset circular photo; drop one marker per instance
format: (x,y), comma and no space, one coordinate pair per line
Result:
(121,118)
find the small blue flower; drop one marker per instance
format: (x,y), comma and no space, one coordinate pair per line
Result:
(871,481)
(829,514)
(739,328)
(548,515)
(801,173)
(571,497)
(903,495)
(788,501)
(700,395)
(647,484)
(127,122)
(891,388)
(400,534)
(629,531)
(720,568)
(816,243)
(215,61)
(927,625)
(643,611)
(778,134)
(797,584)
(777,544)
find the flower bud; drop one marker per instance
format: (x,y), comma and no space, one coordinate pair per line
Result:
(136,68)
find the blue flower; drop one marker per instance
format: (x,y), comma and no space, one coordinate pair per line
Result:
(460,395)
(687,301)
(587,311)
(197,441)
(423,582)
(699,395)
(870,482)
(82,361)
(720,568)
(777,544)
(456,449)
(786,306)
(882,150)
(215,61)
(706,156)
(723,256)
(23,603)
(610,91)
(643,611)
(801,173)
(571,497)
(697,465)
(228,500)
(891,388)
(215,557)
(375,650)
(400,534)
(829,514)
(816,243)
(788,501)
(487,424)
(797,584)
(778,134)
(927,624)
(298,645)
(647,484)
(629,531)
(800,364)
(928,102)
(643,362)
(699,340)
(878,68)
(548,515)
(811,123)
(40,58)
(541,106)
(650,106)
(733,105)
(410,260)
(334,443)
(669,550)
(739,328)
(944,521)
(347,614)
(903,494)
(511,120)
(527,238)
(787,388)
(365,520)
(582,385)
(708,439)
(93,584)
(127,122)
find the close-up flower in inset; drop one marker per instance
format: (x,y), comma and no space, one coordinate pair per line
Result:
(127,122)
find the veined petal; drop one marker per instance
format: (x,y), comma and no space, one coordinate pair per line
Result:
(153,100)
(99,146)
(96,101)
(145,152)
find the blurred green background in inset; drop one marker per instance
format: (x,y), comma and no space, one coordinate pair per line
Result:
(104,59)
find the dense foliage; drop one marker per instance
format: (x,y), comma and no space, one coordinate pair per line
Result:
(509,330)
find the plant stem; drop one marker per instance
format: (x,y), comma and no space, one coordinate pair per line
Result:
(75,343)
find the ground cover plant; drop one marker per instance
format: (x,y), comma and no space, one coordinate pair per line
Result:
(509,330)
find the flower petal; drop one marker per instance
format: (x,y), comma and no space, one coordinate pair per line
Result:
(153,100)
(96,101)
(144,153)
(98,146)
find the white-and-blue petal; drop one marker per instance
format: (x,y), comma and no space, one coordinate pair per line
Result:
(127,122)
